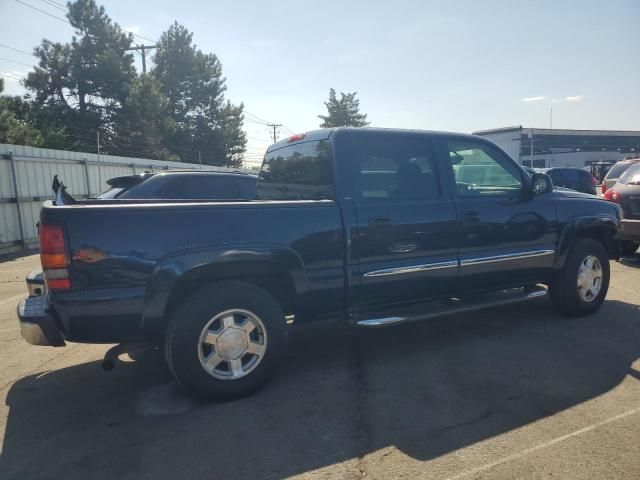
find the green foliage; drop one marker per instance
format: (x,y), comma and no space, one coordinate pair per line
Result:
(193,84)
(90,84)
(143,122)
(85,81)
(343,112)
(15,124)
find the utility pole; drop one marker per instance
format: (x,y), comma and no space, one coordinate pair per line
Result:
(99,169)
(143,49)
(550,133)
(275,133)
(531,154)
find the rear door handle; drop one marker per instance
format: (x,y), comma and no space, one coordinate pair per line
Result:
(379,222)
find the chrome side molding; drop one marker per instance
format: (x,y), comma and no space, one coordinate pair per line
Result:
(455,263)
(412,269)
(508,256)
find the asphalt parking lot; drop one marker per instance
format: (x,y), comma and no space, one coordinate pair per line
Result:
(511,392)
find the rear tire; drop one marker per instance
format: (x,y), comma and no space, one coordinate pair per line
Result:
(581,286)
(628,247)
(226,340)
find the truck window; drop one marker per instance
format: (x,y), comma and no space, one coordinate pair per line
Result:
(482,170)
(395,168)
(299,171)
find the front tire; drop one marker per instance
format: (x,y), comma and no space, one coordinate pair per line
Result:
(581,286)
(226,340)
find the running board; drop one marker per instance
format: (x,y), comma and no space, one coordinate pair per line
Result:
(451,306)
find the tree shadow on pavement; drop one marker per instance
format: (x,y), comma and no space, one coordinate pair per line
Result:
(6,257)
(427,389)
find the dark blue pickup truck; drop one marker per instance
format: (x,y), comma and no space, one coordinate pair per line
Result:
(370,226)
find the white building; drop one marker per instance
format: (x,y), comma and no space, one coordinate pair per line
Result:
(546,148)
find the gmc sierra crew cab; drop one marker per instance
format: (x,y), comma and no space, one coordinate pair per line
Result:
(369,226)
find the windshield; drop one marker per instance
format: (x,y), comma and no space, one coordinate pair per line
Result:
(110,193)
(617,170)
(631,176)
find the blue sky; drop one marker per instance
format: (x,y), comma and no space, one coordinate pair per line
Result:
(457,65)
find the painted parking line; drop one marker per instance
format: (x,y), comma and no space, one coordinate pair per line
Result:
(541,446)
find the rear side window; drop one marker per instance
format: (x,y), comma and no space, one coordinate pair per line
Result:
(300,171)
(395,167)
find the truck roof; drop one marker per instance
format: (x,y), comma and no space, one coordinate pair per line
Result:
(324,133)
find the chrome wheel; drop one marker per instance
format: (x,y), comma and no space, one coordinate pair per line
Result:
(589,278)
(232,344)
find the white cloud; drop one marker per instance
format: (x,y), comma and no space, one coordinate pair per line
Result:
(574,98)
(534,99)
(135,29)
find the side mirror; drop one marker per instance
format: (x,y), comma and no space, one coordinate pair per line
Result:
(541,183)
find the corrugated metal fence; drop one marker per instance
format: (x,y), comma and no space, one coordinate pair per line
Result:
(26,174)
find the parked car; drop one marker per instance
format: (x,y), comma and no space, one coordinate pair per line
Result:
(533,171)
(614,172)
(182,184)
(119,185)
(573,178)
(626,193)
(600,169)
(372,227)
(169,184)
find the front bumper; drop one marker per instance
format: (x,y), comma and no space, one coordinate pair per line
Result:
(629,230)
(37,326)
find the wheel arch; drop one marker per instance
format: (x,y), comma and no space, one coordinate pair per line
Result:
(600,228)
(278,271)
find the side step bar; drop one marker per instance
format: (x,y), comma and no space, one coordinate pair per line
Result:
(448,307)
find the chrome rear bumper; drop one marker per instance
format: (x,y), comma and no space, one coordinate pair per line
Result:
(37,326)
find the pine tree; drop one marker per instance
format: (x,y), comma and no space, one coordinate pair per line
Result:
(86,81)
(205,122)
(343,112)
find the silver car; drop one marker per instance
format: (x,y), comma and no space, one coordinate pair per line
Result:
(614,173)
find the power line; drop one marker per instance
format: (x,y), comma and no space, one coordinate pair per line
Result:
(256,117)
(9,76)
(54,5)
(16,50)
(41,11)
(65,21)
(14,61)
(140,36)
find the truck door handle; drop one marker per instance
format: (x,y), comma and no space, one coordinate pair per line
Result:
(379,222)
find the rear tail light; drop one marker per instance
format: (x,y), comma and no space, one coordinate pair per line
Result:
(53,256)
(612,196)
(297,137)
(604,188)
